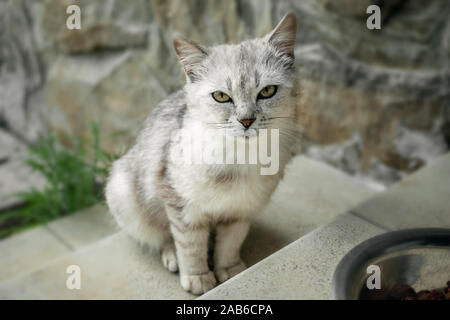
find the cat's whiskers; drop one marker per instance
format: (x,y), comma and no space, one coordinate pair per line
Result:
(270,118)
(219,125)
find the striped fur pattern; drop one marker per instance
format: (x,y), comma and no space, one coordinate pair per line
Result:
(175,208)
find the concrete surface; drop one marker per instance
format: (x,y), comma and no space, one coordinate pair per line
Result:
(418,201)
(85,227)
(113,268)
(35,248)
(303,269)
(27,251)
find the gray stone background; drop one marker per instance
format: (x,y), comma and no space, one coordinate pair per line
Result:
(376,102)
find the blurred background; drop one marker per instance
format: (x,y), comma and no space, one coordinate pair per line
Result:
(376,102)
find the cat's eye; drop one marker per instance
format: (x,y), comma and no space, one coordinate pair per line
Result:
(267,92)
(221,97)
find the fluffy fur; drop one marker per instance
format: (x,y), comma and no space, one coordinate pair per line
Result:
(175,207)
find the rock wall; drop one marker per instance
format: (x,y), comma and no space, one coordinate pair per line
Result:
(375,102)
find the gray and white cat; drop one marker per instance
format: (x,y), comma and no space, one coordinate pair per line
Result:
(175,207)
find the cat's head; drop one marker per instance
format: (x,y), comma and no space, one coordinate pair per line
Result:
(241,87)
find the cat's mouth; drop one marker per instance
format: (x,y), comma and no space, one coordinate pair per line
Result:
(238,132)
(251,132)
(236,129)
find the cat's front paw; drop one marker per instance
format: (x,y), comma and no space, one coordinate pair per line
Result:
(198,284)
(169,258)
(223,274)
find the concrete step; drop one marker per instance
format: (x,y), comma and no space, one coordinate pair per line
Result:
(304,269)
(311,195)
(32,249)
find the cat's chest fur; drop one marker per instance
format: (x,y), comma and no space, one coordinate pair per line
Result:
(221,190)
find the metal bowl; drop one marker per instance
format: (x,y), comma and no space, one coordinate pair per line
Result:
(419,258)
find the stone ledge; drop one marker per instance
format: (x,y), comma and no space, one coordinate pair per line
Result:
(85,227)
(28,251)
(33,249)
(113,268)
(303,270)
(418,201)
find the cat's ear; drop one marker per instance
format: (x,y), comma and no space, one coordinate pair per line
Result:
(189,53)
(284,35)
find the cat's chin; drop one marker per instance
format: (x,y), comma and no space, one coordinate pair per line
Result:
(246,134)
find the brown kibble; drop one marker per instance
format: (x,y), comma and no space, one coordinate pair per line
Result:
(423,295)
(376,294)
(406,292)
(423,291)
(436,295)
(401,291)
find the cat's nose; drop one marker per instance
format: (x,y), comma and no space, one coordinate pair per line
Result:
(247,122)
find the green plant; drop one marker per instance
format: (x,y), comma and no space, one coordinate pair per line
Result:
(74,177)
